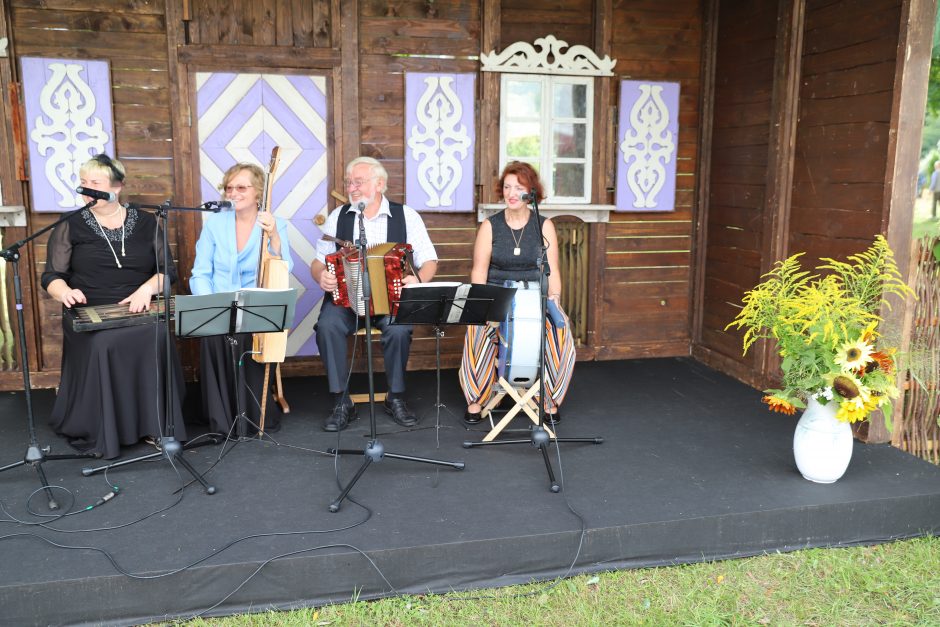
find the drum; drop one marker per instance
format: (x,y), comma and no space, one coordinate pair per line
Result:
(520,336)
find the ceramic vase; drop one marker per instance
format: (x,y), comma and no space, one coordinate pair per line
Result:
(822,445)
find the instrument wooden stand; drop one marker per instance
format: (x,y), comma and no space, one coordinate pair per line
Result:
(374,450)
(540,436)
(35,454)
(523,403)
(169,446)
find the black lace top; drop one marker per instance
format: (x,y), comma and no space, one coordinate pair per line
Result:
(79,254)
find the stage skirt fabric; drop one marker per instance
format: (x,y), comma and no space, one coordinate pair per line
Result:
(478,365)
(219,385)
(111,393)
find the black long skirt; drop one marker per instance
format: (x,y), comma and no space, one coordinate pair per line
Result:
(219,384)
(112,392)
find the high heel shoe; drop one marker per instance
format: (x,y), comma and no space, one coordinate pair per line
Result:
(471,418)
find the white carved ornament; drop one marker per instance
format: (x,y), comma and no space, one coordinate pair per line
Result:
(440,140)
(523,58)
(73,131)
(649,144)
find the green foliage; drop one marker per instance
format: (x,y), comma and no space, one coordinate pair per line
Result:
(825,328)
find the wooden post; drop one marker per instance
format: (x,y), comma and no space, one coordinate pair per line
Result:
(784,119)
(910,95)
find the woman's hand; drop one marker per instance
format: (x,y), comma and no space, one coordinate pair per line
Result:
(266,222)
(140,300)
(71,297)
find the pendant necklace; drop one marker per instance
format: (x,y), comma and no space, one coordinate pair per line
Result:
(518,249)
(105,236)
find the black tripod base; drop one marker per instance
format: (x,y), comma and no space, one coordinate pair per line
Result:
(539,439)
(35,456)
(172,449)
(375,452)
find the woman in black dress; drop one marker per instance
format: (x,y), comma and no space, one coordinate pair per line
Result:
(111,391)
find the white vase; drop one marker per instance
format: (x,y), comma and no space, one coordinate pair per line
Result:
(822,445)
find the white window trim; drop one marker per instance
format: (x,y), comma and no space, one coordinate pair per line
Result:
(547,158)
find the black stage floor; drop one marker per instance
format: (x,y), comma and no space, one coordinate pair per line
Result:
(692,468)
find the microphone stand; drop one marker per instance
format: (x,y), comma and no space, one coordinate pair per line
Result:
(539,437)
(35,455)
(374,450)
(169,445)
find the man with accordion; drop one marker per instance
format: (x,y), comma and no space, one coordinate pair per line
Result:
(385,221)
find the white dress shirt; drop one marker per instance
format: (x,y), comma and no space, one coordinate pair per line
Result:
(377,233)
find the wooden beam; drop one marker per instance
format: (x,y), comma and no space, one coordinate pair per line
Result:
(703,173)
(347,118)
(265,57)
(604,171)
(784,118)
(910,96)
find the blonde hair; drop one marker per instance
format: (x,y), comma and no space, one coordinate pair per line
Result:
(254,172)
(104,164)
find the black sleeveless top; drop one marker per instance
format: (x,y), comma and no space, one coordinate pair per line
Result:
(506,266)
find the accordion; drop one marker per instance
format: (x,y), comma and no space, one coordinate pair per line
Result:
(385,264)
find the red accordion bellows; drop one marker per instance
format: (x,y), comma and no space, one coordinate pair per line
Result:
(385,264)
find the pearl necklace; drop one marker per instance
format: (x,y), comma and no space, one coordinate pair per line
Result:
(105,236)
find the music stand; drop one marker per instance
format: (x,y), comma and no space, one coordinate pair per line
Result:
(225,313)
(250,310)
(444,303)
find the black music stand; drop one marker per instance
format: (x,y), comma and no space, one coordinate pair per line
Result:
(374,450)
(35,454)
(251,310)
(445,303)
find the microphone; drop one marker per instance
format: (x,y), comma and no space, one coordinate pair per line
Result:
(362,223)
(218,205)
(94,193)
(532,196)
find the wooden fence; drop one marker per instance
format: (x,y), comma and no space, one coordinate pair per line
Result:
(918,429)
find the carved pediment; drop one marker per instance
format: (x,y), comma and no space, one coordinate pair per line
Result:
(549,55)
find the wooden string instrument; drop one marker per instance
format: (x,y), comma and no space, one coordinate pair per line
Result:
(273,273)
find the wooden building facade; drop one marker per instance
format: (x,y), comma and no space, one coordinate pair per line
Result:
(799,131)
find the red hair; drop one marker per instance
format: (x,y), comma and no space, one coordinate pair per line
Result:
(526,175)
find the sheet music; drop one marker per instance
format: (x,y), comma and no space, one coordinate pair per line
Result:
(460,301)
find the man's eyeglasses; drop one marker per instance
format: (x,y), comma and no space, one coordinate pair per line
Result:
(357,182)
(241,189)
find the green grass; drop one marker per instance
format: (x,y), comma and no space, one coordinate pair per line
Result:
(891,584)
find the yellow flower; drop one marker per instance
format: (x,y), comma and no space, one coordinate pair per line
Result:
(779,404)
(852,411)
(854,355)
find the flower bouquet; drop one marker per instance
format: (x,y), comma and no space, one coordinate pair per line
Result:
(825,326)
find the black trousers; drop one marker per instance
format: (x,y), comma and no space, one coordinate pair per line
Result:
(335,324)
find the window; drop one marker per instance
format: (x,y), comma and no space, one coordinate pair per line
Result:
(547,121)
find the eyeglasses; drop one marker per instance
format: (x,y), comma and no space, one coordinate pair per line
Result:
(241,189)
(358,182)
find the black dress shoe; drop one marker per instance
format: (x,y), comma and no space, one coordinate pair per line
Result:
(471,418)
(398,410)
(342,415)
(553,419)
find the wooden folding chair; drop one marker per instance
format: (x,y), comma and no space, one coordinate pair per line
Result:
(524,401)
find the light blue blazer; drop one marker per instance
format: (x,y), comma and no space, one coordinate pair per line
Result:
(219,267)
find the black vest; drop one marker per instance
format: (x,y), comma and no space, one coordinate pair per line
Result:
(346,227)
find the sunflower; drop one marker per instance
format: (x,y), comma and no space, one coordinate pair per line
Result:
(854,355)
(782,405)
(884,361)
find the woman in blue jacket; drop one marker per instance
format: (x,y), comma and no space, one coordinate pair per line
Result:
(227,256)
